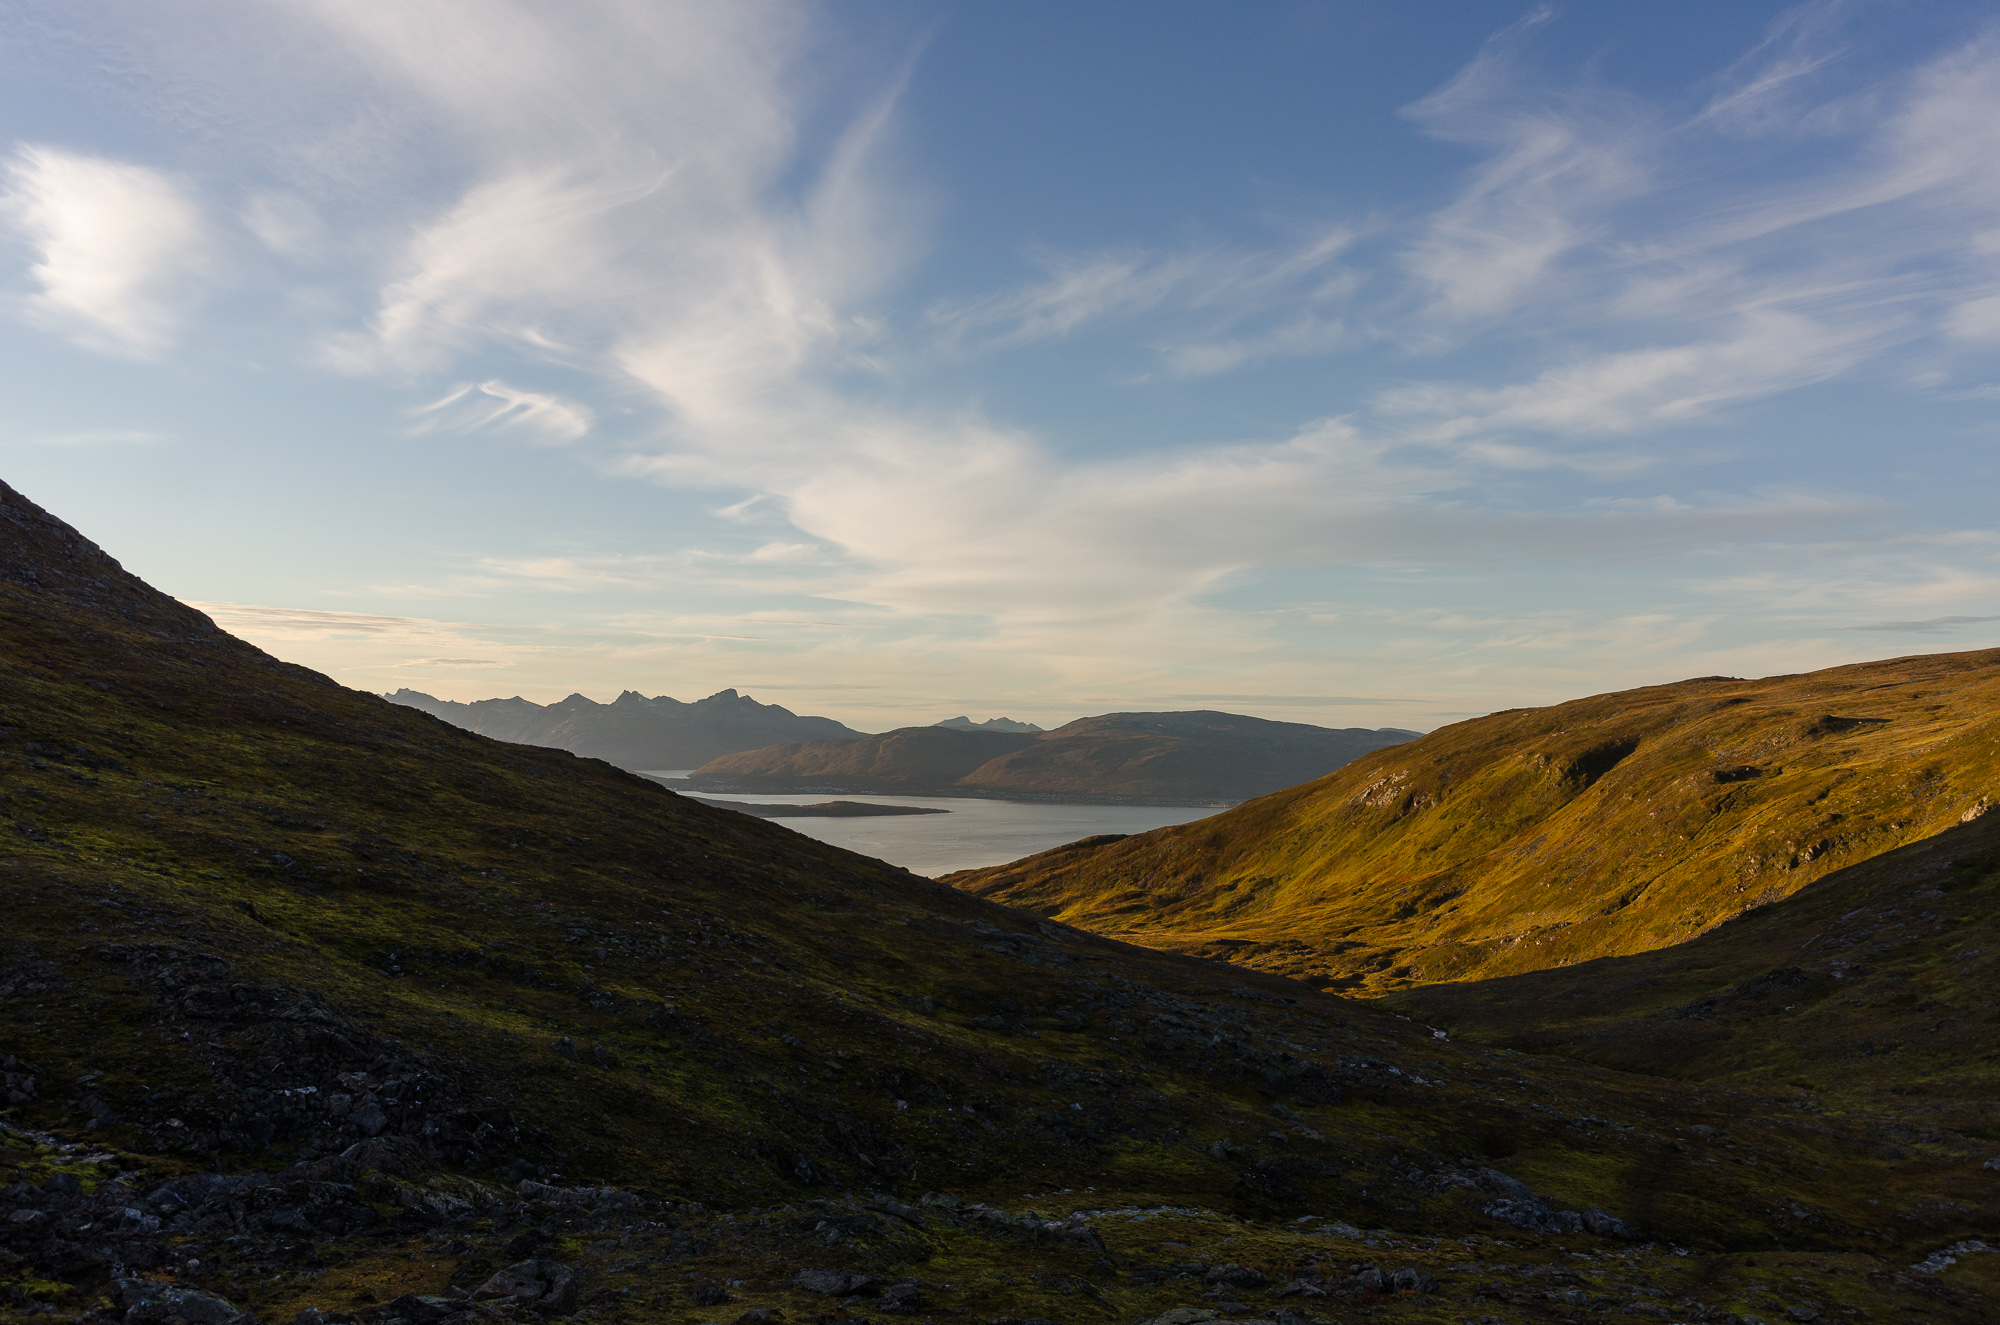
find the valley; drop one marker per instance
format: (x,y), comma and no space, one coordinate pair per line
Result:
(319,1008)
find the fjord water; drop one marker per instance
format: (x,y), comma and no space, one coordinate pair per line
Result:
(976,832)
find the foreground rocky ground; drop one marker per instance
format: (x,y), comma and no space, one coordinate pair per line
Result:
(366,1237)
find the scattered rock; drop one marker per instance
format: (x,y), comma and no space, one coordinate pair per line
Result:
(592,1198)
(1523,1209)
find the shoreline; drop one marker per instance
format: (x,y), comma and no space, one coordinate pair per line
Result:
(688,787)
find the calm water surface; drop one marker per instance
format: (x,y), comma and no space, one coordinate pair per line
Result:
(974,833)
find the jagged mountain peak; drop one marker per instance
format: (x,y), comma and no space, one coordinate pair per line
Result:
(634,731)
(963,723)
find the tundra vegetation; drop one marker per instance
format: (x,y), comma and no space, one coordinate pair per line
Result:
(315,1008)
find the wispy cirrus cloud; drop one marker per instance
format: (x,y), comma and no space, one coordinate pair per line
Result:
(494,405)
(1241,304)
(120,249)
(1937,625)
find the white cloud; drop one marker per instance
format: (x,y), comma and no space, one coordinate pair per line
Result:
(1937,625)
(120,249)
(477,407)
(1222,289)
(1557,165)
(303,623)
(1766,351)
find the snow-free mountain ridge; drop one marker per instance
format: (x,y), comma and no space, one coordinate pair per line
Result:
(1171,758)
(633,731)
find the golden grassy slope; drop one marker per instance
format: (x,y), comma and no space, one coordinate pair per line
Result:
(1540,837)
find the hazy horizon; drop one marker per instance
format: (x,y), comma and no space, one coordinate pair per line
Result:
(1363,364)
(747,694)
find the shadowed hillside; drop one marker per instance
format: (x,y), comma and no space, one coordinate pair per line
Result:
(1176,758)
(1542,837)
(633,731)
(909,759)
(1878,977)
(313,1003)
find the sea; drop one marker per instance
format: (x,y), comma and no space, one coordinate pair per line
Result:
(974,833)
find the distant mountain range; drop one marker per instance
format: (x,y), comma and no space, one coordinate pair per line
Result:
(633,731)
(990,725)
(1174,757)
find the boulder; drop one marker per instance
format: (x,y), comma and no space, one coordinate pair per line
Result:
(146,1302)
(547,1286)
(421,1310)
(1605,1225)
(832,1283)
(1184,1316)
(1233,1276)
(905,1299)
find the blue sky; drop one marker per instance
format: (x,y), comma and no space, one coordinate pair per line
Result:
(1352,363)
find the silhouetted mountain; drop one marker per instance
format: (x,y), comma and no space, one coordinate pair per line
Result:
(990,725)
(1171,757)
(909,759)
(633,731)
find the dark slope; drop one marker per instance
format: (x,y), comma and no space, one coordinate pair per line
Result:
(1878,978)
(1544,837)
(255,918)
(909,759)
(1178,758)
(1196,756)
(633,731)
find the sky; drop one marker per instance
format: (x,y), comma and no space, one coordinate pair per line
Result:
(1361,363)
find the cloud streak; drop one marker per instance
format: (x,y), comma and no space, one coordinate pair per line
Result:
(1937,625)
(494,405)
